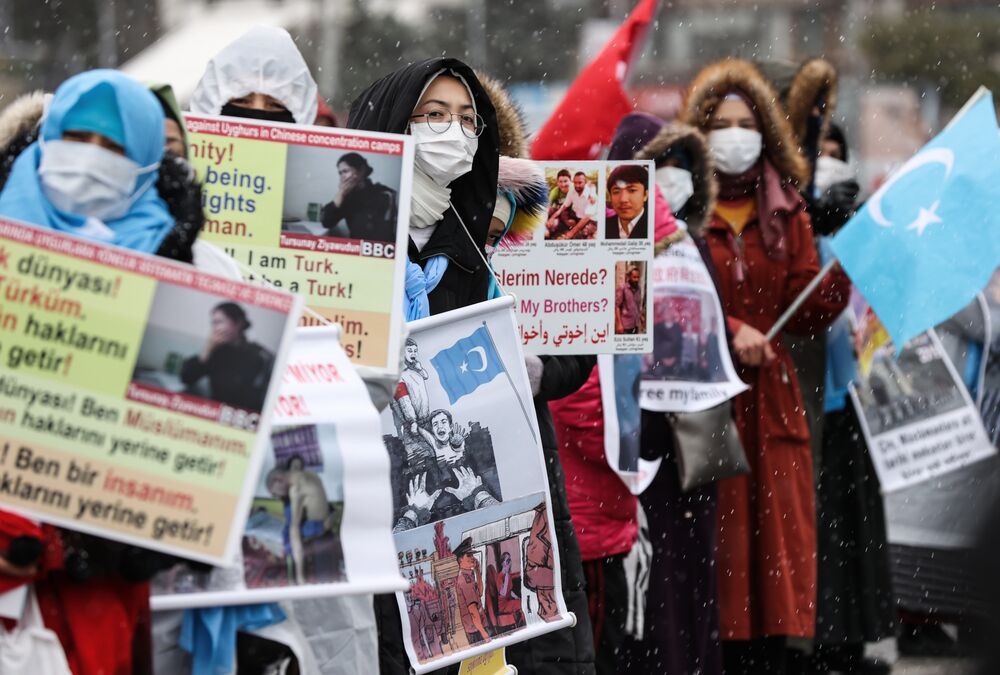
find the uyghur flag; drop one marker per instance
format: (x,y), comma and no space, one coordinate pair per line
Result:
(928,240)
(468,363)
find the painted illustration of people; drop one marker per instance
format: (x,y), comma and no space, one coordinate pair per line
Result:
(538,574)
(309,533)
(452,483)
(503,595)
(469,588)
(411,405)
(423,632)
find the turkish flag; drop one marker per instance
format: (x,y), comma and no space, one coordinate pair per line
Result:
(594,104)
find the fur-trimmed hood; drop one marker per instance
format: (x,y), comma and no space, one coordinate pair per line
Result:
(21,116)
(176,181)
(815,79)
(693,142)
(524,181)
(800,87)
(717,79)
(510,119)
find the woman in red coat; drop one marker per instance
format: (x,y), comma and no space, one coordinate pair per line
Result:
(761,242)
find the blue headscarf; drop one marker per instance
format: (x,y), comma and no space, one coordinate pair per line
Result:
(148,221)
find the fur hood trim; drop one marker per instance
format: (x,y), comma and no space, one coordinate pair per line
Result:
(816,78)
(706,190)
(510,118)
(715,80)
(21,116)
(523,180)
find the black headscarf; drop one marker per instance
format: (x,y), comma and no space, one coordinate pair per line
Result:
(387,105)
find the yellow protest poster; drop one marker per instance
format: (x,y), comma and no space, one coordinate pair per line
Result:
(313,210)
(491,663)
(134,391)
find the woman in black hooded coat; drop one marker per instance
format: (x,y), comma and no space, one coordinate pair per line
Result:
(387,106)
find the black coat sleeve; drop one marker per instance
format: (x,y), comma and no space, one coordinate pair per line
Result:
(564,375)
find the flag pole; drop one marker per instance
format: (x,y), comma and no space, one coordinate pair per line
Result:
(800,300)
(524,410)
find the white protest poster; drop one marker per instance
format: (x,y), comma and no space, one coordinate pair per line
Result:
(135,392)
(314,210)
(471,503)
(320,523)
(582,277)
(620,378)
(690,368)
(917,417)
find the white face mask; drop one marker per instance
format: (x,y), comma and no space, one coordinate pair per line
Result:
(87,180)
(830,170)
(676,186)
(443,157)
(734,149)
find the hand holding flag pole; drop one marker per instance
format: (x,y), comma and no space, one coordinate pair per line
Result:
(928,240)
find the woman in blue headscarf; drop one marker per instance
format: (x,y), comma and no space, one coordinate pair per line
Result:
(93,170)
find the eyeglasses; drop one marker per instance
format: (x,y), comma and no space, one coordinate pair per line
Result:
(440,121)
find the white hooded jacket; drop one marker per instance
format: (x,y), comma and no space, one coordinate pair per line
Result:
(263,60)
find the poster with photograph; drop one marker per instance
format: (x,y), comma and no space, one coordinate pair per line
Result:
(314,210)
(581,278)
(621,378)
(690,368)
(989,388)
(472,519)
(320,522)
(136,392)
(917,417)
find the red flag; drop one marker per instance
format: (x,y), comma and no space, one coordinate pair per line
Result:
(594,104)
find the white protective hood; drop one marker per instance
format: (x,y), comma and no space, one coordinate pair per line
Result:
(263,60)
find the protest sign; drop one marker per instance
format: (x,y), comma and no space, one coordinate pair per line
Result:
(318,211)
(989,387)
(620,377)
(690,368)
(136,392)
(581,278)
(492,663)
(470,494)
(917,417)
(321,519)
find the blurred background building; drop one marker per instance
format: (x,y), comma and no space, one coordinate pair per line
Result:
(906,65)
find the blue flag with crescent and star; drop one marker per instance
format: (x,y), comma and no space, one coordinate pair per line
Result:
(928,240)
(467,364)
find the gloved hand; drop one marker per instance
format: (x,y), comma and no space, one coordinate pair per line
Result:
(834,207)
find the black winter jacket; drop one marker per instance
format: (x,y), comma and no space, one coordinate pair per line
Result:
(386,106)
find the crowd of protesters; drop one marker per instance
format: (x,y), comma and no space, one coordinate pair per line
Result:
(786,569)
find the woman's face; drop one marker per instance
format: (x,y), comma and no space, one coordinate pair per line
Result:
(94,139)
(257,101)
(733,112)
(446,95)
(173,137)
(225,329)
(348,173)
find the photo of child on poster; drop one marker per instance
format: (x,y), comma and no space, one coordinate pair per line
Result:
(292,535)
